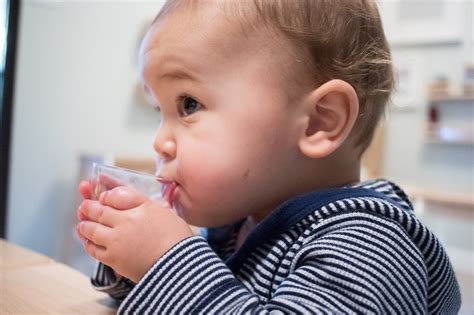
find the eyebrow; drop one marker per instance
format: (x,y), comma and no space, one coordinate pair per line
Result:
(178,75)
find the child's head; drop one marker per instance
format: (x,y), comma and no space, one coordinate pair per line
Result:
(262,100)
(333,39)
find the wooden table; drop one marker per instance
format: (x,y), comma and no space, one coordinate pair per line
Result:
(31,283)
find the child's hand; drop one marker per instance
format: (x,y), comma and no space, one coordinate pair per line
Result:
(85,189)
(129,241)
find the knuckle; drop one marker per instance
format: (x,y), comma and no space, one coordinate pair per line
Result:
(113,238)
(93,233)
(101,214)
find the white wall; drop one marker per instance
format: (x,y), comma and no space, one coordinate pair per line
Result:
(74,94)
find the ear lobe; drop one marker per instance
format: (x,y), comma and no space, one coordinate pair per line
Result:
(317,147)
(331,112)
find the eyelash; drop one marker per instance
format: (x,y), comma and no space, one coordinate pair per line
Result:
(180,99)
(180,105)
(179,102)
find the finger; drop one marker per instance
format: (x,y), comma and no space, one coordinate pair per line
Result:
(110,182)
(96,251)
(85,190)
(103,183)
(95,232)
(80,214)
(97,212)
(81,211)
(123,198)
(78,233)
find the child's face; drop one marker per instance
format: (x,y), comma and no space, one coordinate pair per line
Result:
(227,136)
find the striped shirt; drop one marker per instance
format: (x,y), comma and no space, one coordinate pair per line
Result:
(348,250)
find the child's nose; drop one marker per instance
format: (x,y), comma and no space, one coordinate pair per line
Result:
(165,148)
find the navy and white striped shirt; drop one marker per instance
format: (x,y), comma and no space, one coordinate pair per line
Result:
(349,250)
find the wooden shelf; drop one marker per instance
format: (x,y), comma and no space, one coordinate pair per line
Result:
(437,140)
(139,164)
(442,197)
(452,99)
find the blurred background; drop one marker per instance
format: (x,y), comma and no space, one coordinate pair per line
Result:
(72,96)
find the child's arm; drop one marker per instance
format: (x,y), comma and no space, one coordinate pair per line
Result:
(190,278)
(186,276)
(105,279)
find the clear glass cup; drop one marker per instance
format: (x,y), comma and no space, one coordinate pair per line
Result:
(106,177)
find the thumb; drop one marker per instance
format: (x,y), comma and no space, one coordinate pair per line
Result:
(123,198)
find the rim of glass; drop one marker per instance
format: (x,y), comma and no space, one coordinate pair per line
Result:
(117,168)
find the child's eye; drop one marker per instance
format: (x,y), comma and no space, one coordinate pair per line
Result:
(188,106)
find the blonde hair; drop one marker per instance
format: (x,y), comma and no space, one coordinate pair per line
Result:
(339,39)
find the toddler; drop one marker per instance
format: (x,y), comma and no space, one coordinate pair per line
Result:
(266,108)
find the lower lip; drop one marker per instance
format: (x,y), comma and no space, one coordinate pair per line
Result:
(174,195)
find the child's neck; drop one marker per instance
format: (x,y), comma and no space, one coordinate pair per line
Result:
(350,178)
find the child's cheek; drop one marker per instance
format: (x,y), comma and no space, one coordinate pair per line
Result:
(212,173)
(206,170)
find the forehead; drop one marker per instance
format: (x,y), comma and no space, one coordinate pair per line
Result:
(194,37)
(209,40)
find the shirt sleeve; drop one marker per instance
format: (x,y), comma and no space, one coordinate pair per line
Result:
(105,279)
(359,268)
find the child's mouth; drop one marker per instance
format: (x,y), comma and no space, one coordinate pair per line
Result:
(169,186)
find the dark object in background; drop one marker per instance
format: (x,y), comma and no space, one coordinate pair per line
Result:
(7,83)
(433,115)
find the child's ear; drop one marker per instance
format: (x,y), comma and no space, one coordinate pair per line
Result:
(330,113)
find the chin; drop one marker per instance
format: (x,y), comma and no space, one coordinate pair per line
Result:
(196,218)
(202,215)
